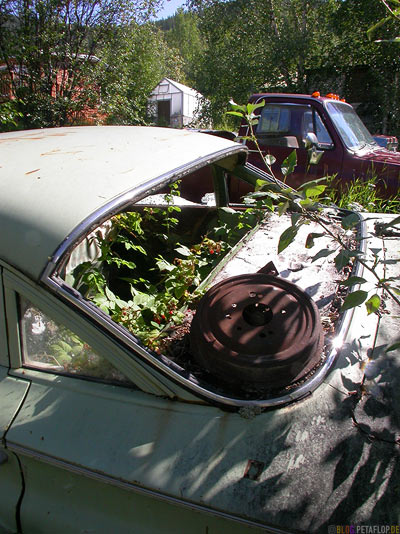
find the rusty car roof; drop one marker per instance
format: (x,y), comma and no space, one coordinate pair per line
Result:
(53,179)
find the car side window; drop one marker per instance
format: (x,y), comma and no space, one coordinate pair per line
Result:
(50,346)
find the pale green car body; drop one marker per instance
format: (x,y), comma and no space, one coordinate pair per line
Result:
(161,456)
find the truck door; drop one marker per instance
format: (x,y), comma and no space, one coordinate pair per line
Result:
(284,127)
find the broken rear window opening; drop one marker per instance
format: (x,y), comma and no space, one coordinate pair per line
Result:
(196,285)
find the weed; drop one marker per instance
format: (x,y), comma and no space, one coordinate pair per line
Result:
(361,195)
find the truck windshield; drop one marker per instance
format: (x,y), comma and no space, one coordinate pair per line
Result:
(352,130)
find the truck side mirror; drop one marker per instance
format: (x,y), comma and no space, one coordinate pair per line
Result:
(311,140)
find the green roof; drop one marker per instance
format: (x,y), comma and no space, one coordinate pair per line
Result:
(53,179)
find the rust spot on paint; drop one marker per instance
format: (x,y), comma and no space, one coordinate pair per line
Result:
(253,469)
(52,152)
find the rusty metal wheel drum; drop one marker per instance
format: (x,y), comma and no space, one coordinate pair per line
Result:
(257,331)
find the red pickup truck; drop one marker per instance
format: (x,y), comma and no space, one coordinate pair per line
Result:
(328,136)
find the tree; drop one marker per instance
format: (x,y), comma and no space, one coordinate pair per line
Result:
(392,15)
(53,52)
(301,46)
(259,45)
(370,70)
(136,62)
(9,115)
(183,34)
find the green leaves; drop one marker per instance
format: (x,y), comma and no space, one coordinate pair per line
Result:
(354,299)
(289,164)
(313,189)
(376,26)
(345,256)
(324,253)
(9,114)
(269,160)
(350,221)
(183,251)
(394,346)
(342,259)
(359,297)
(62,352)
(235,113)
(393,222)
(287,237)
(392,6)
(245,112)
(373,304)
(310,239)
(352,281)
(164,265)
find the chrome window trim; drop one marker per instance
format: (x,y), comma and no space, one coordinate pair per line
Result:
(128,340)
(4,350)
(123,200)
(214,398)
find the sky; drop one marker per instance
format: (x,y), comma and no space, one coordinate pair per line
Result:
(170,6)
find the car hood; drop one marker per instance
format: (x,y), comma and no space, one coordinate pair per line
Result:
(380,155)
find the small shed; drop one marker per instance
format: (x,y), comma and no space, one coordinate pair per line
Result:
(174,104)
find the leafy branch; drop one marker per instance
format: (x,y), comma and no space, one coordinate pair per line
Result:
(247,112)
(393,8)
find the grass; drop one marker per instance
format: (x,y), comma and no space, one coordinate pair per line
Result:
(360,195)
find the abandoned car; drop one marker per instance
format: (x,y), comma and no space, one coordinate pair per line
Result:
(162,367)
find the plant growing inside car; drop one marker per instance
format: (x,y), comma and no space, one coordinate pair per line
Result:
(149,272)
(54,346)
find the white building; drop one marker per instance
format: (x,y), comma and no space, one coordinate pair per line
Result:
(174,104)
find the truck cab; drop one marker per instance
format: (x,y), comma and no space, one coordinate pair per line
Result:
(329,139)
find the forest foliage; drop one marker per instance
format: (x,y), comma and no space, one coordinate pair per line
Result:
(223,49)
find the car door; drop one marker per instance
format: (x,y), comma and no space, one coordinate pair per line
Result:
(12,393)
(101,450)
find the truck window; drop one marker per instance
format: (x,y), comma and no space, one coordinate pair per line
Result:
(287,125)
(275,119)
(312,123)
(352,130)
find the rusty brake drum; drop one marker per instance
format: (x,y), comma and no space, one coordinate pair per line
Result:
(257,331)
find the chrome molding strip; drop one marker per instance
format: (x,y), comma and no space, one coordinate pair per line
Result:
(105,479)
